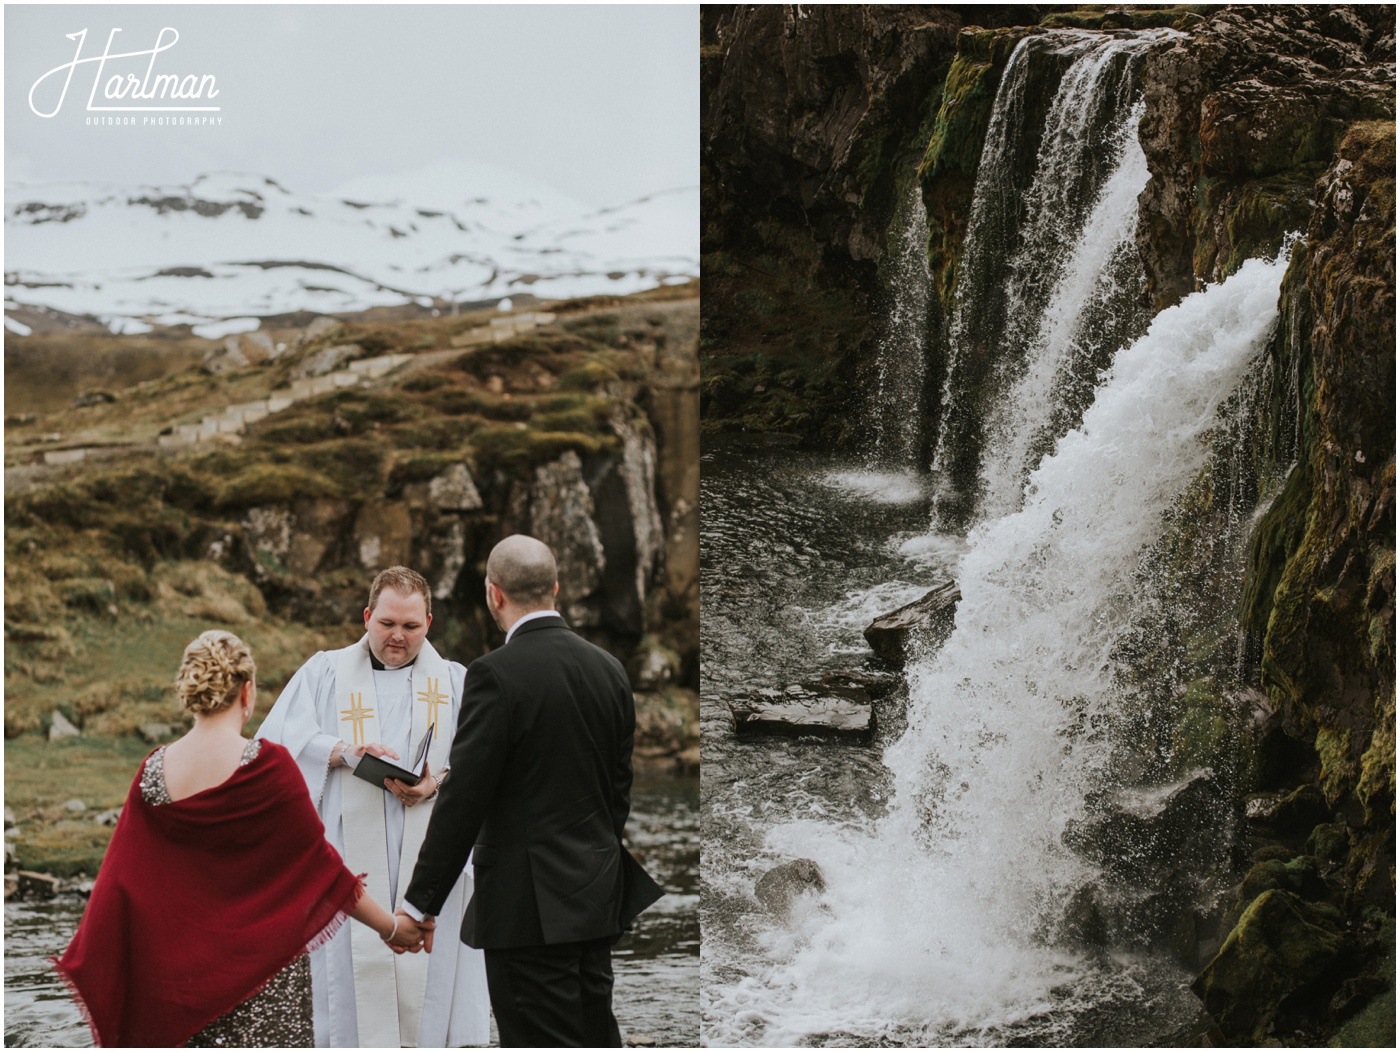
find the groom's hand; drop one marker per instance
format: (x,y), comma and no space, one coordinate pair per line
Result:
(428,925)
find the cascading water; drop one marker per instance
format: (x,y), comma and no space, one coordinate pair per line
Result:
(939,920)
(1090,309)
(1033,322)
(1073,426)
(894,403)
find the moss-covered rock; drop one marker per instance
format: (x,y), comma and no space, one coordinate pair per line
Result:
(1277,965)
(948,169)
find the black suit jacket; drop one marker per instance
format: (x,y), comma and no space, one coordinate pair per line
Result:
(540,787)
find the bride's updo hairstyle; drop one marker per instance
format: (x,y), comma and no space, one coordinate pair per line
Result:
(212,672)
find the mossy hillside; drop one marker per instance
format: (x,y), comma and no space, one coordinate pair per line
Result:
(501,410)
(110,669)
(45,371)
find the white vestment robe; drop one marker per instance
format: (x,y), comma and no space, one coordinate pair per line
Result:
(307,721)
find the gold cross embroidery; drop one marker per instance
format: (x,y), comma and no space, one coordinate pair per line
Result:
(355,715)
(433,698)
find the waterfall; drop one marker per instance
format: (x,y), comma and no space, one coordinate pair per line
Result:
(1049,278)
(938,922)
(894,404)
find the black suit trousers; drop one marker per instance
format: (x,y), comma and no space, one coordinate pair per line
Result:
(557,996)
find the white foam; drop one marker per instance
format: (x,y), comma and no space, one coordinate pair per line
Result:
(879,487)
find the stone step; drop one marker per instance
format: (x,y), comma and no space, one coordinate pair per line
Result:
(802,709)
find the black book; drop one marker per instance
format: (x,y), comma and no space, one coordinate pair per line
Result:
(375,769)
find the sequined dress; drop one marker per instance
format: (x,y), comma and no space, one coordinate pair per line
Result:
(279,1016)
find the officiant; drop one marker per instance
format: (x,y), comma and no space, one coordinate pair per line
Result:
(379,697)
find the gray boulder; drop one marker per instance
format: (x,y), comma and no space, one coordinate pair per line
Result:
(454,490)
(61,727)
(327,360)
(782,885)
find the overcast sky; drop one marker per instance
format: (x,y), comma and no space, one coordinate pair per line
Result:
(602,102)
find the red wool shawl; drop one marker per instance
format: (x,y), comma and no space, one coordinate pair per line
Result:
(200,902)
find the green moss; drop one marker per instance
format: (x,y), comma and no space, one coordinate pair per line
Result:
(965,108)
(464,401)
(421,468)
(1202,735)
(1276,537)
(1260,213)
(1281,944)
(1376,784)
(260,484)
(64,849)
(424,382)
(587,376)
(948,169)
(1374,1025)
(517,450)
(1339,771)
(94,594)
(355,466)
(571,413)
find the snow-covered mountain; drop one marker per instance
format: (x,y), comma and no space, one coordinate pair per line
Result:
(237,245)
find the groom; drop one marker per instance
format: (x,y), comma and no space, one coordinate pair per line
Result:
(541,782)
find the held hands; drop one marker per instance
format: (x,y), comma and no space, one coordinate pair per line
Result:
(410,936)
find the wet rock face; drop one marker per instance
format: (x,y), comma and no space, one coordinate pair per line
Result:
(805,114)
(1241,115)
(1153,846)
(842,66)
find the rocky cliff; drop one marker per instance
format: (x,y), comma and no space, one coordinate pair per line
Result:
(1272,661)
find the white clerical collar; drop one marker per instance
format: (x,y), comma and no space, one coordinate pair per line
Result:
(533,615)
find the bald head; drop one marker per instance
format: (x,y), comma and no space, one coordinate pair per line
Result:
(524,569)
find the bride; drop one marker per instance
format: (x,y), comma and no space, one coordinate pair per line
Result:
(217,882)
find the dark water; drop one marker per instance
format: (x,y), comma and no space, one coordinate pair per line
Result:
(656,966)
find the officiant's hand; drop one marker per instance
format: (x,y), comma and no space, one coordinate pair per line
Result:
(411,794)
(373,749)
